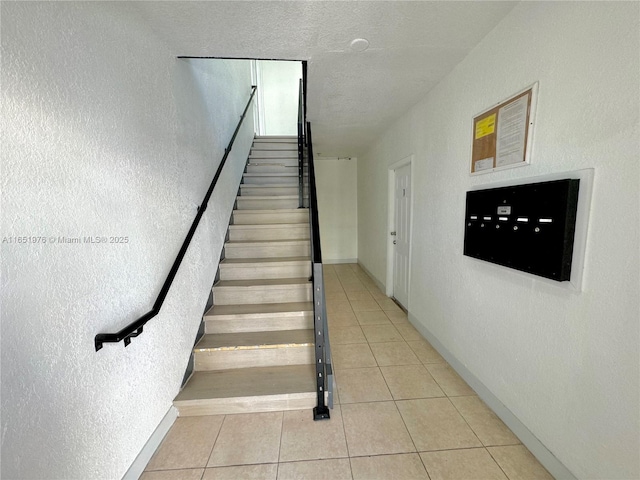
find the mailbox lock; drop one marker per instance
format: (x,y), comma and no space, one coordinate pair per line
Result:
(537,229)
(393,234)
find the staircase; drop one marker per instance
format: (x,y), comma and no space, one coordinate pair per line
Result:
(257,353)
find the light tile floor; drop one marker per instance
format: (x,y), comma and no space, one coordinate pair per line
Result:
(401,413)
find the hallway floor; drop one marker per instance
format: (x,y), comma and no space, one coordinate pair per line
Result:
(400,413)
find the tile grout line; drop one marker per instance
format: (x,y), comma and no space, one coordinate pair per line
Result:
(472,429)
(465,420)
(280,446)
(389,389)
(467,423)
(496,462)
(224,419)
(396,406)
(344,429)
(484,447)
(393,396)
(448,397)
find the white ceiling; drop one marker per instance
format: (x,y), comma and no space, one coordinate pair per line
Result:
(352,97)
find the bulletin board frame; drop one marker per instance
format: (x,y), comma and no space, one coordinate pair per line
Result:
(501,136)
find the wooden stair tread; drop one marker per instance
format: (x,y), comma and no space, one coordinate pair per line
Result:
(246,226)
(275,282)
(262,138)
(288,149)
(274,210)
(265,309)
(246,243)
(270,185)
(283,145)
(249,382)
(271,174)
(298,216)
(267,197)
(255,340)
(268,260)
(272,162)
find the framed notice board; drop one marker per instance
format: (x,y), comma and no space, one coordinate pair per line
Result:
(502,135)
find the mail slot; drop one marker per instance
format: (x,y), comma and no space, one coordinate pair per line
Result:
(525,227)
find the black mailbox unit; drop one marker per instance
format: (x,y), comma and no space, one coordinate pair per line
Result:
(525,227)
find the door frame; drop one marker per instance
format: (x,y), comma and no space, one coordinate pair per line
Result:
(258,110)
(391,212)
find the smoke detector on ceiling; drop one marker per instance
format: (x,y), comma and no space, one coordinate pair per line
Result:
(359,45)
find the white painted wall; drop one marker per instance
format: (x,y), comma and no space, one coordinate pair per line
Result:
(565,363)
(337,186)
(278,84)
(105,133)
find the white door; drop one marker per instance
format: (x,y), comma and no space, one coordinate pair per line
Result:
(402,223)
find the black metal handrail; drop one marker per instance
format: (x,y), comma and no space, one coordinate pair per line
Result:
(134,329)
(316,251)
(301,124)
(324,372)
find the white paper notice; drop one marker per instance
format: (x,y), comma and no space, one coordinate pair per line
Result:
(512,127)
(484,164)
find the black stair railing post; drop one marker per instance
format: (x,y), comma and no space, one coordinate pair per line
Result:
(324,373)
(321,411)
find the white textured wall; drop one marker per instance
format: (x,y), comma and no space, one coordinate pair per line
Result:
(279,86)
(104,132)
(337,186)
(565,363)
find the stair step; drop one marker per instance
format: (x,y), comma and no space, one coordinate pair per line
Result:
(293,153)
(247,390)
(283,153)
(262,217)
(267,249)
(266,190)
(276,138)
(280,146)
(259,317)
(271,178)
(256,167)
(291,162)
(282,290)
(254,349)
(292,231)
(271,202)
(264,268)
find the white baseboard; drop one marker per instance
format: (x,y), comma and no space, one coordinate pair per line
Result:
(141,461)
(535,446)
(336,261)
(378,283)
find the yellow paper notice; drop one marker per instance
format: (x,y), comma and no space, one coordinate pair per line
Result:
(486,126)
